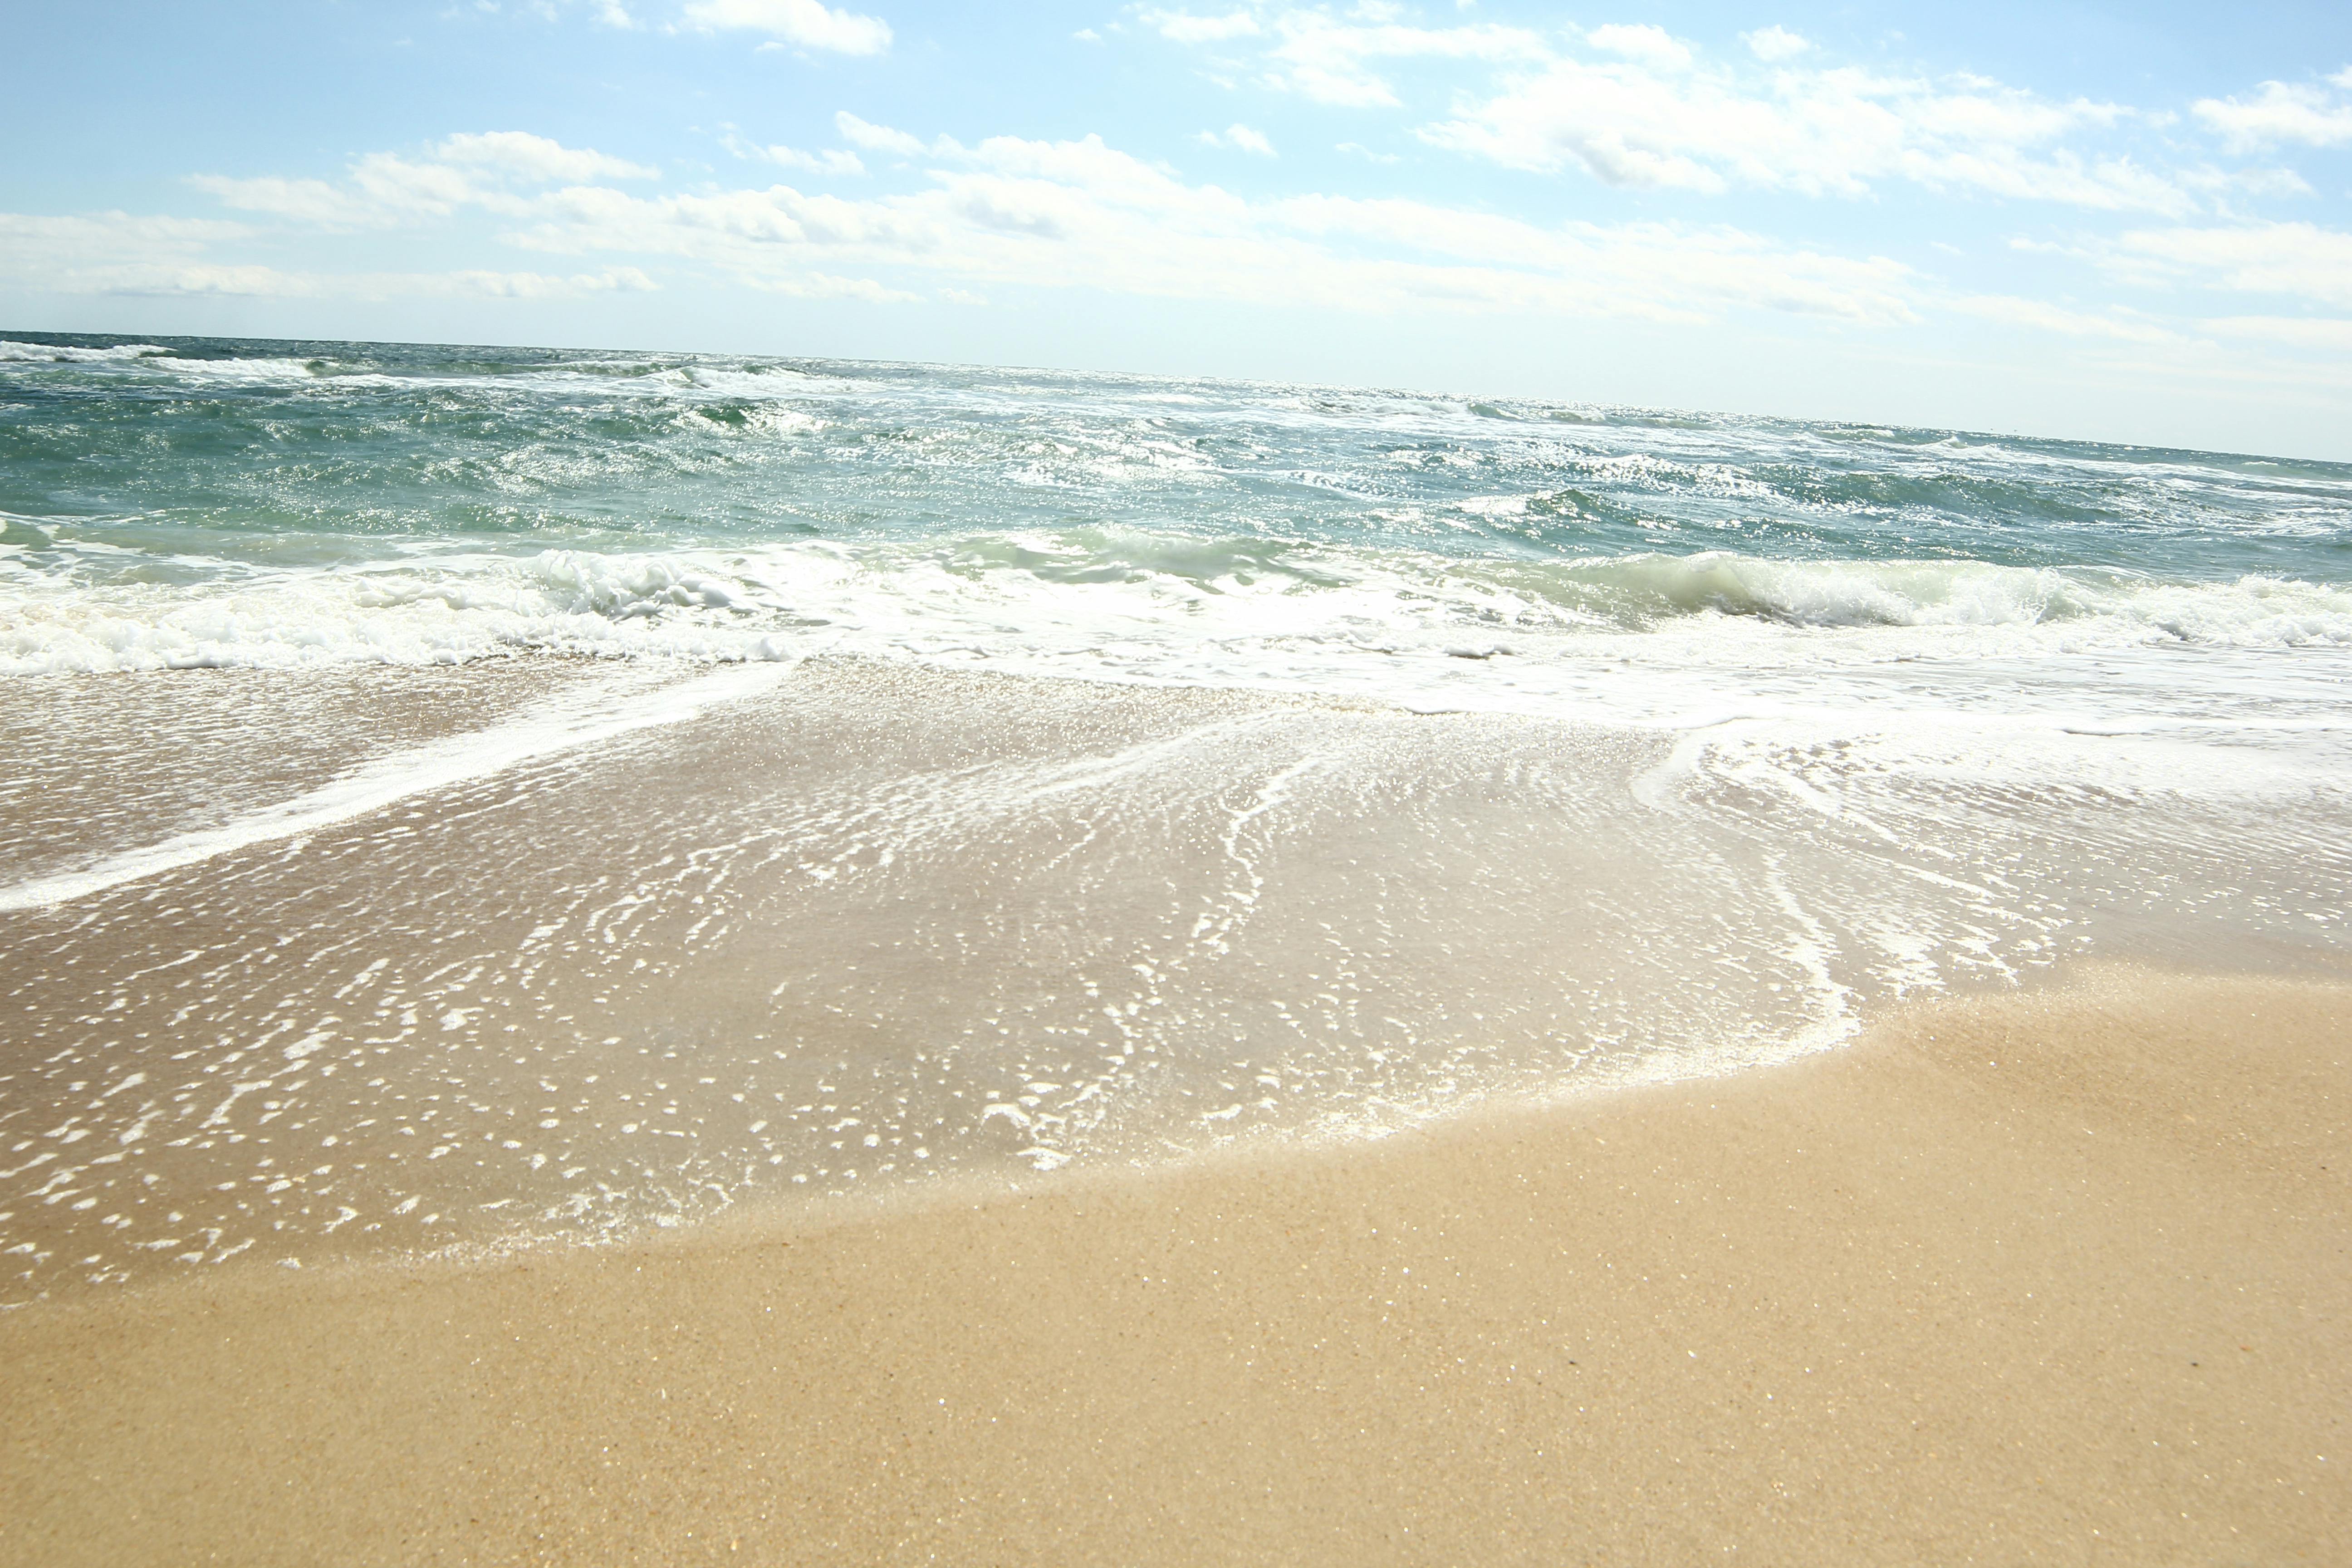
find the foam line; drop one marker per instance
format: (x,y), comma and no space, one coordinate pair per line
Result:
(560,725)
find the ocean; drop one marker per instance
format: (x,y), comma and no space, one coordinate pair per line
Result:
(459,798)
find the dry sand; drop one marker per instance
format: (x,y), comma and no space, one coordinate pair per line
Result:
(2058,1278)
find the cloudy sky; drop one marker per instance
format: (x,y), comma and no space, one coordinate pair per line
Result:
(2118,222)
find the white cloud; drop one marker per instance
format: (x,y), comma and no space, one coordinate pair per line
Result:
(1331,60)
(2299,259)
(199,281)
(1183,27)
(825,286)
(1012,212)
(1238,138)
(2329,335)
(2043,316)
(384,189)
(877,137)
(1083,215)
(528,157)
(1650,46)
(510,285)
(103,252)
(1633,105)
(1819,131)
(837,161)
(1648,270)
(118,254)
(609,13)
(405,186)
(314,202)
(2221,183)
(1775,44)
(2280,112)
(808,23)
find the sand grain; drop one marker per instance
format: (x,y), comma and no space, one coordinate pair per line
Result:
(2061,1277)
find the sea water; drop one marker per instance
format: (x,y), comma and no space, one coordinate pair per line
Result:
(457,797)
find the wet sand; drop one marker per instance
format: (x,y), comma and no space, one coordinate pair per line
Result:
(2063,1277)
(561,951)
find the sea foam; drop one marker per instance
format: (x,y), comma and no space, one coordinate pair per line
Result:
(1341,619)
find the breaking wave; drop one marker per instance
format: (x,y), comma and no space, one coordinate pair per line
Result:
(1127,606)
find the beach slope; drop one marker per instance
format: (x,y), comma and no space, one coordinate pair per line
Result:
(2059,1277)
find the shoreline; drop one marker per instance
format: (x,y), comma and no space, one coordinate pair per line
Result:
(1887,1302)
(881,925)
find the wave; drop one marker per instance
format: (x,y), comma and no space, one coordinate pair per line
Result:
(614,450)
(14,351)
(1120,604)
(158,360)
(2255,611)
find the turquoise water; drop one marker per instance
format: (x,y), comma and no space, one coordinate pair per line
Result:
(260,448)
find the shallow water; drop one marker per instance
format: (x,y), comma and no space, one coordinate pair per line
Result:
(1423,750)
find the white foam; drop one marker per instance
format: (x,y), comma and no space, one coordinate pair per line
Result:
(616,707)
(160,359)
(13,351)
(1650,639)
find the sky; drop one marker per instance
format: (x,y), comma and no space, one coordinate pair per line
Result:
(2122,223)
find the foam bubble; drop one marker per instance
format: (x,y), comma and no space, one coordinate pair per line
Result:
(63,354)
(1128,606)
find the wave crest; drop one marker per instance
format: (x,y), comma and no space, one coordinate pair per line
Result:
(1121,604)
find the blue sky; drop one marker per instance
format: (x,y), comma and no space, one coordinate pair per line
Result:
(2122,223)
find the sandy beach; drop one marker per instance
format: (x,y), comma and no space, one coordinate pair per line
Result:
(2056,1277)
(846,785)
